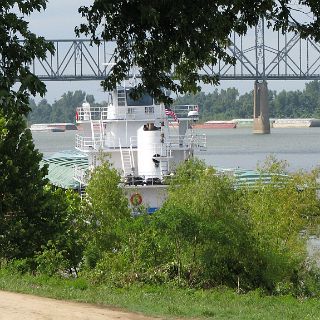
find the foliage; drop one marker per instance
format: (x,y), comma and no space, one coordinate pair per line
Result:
(16,55)
(271,165)
(60,249)
(23,215)
(171,41)
(204,219)
(282,214)
(228,104)
(219,105)
(41,112)
(50,261)
(24,220)
(166,301)
(32,213)
(18,266)
(208,234)
(69,239)
(62,110)
(106,209)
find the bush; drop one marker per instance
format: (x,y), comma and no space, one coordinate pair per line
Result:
(20,266)
(209,234)
(51,261)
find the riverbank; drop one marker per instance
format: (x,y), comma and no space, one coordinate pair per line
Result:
(167,302)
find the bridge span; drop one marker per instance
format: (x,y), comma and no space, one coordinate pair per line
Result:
(261,55)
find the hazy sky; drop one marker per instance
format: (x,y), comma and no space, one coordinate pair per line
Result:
(58,22)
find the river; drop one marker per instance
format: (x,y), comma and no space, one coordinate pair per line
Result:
(228,148)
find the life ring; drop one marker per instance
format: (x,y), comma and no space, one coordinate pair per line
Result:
(136,199)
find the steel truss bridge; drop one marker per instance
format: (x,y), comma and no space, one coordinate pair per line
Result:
(261,54)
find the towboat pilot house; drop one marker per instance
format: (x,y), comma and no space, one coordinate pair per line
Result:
(143,144)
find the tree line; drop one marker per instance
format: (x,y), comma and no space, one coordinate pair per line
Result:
(218,105)
(61,110)
(229,104)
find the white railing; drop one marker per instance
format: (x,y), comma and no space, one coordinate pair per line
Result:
(195,141)
(192,141)
(135,112)
(84,143)
(112,112)
(110,142)
(132,157)
(133,141)
(81,175)
(182,111)
(88,143)
(159,148)
(90,113)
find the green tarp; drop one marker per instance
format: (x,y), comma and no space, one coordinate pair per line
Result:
(61,168)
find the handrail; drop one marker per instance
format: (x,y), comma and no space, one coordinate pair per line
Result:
(81,175)
(121,154)
(172,142)
(115,112)
(132,157)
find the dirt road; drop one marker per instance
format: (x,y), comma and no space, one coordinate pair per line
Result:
(15,306)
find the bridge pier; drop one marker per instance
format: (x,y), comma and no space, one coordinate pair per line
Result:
(261,122)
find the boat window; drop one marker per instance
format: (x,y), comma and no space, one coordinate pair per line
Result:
(130,111)
(149,109)
(145,100)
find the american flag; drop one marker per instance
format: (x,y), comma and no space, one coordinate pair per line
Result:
(171,113)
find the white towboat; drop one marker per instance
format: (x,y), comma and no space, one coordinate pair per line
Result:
(141,144)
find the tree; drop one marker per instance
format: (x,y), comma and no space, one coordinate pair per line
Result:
(16,55)
(40,113)
(64,109)
(312,98)
(280,213)
(90,98)
(25,222)
(106,209)
(203,216)
(184,35)
(67,232)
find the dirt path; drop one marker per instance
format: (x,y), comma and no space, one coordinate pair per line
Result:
(16,306)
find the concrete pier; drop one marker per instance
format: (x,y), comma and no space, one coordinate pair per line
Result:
(261,121)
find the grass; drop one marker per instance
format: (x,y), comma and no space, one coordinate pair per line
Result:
(167,302)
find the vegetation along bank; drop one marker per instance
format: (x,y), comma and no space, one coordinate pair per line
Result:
(207,236)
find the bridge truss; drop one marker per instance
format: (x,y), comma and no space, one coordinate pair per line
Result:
(261,54)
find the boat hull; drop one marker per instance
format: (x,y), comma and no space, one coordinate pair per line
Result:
(215,125)
(53,127)
(296,123)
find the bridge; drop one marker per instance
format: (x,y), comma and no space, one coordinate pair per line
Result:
(261,55)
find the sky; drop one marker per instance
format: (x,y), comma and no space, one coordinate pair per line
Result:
(58,22)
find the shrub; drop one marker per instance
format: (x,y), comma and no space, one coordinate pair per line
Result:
(51,261)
